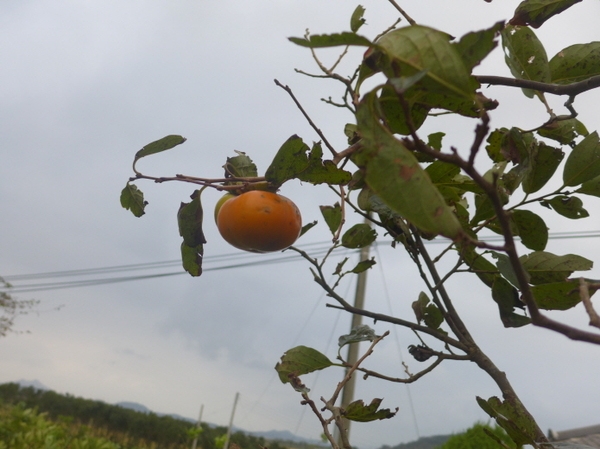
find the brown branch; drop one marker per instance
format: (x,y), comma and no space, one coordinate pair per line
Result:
(572,89)
(412,377)
(584,293)
(209,182)
(306,116)
(400,322)
(402,12)
(324,424)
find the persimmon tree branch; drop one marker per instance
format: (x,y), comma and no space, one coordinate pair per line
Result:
(402,12)
(571,89)
(584,293)
(307,117)
(217,183)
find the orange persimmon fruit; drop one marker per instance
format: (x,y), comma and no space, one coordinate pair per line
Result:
(258,221)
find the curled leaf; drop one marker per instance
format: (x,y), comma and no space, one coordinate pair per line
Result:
(359,412)
(358,334)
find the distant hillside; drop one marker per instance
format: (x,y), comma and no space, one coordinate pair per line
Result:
(422,443)
(140,429)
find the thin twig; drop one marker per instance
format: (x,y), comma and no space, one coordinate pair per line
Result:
(571,89)
(310,122)
(584,293)
(402,12)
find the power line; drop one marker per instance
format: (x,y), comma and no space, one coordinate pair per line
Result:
(242,259)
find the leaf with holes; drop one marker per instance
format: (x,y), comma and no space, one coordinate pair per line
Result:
(525,56)
(576,63)
(567,206)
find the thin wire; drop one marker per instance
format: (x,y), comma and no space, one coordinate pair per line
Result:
(317,246)
(386,293)
(329,340)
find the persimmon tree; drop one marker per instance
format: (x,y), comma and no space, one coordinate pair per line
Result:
(415,188)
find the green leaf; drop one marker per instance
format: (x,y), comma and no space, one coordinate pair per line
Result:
(583,163)
(576,63)
(505,267)
(494,145)
(512,417)
(132,199)
(418,48)
(189,219)
(427,312)
(394,174)
(536,12)
(540,166)
(357,20)
(567,206)
(363,265)
(482,267)
(532,229)
(392,221)
(307,227)
(441,172)
(332,216)
(507,298)
(591,187)
(359,412)
(191,258)
(358,334)
(394,111)
(509,145)
(563,131)
(166,143)
(475,46)
(300,360)
(525,56)
(240,166)
(484,209)
(558,295)
(331,40)
(292,161)
(434,140)
(359,236)
(546,268)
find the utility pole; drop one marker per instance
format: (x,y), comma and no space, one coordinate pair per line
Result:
(195,442)
(226,445)
(352,357)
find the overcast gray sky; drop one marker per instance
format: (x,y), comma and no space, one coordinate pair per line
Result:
(87,84)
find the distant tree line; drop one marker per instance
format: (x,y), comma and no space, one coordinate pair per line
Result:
(141,428)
